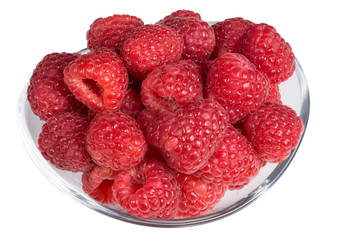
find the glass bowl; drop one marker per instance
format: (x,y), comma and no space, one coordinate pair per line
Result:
(294,93)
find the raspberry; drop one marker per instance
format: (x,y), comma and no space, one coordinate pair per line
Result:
(97,183)
(150,46)
(274,94)
(171,86)
(269,52)
(111,31)
(197,197)
(149,190)
(274,130)
(228,34)
(239,125)
(98,79)
(233,163)
(184,14)
(188,136)
(205,67)
(91,114)
(145,118)
(114,140)
(234,82)
(53,65)
(199,39)
(47,92)
(62,142)
(131,104)
(236,187)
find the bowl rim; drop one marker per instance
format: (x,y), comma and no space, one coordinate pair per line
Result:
(47,170)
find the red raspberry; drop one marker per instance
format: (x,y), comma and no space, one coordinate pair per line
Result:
(111,31)
(149,190)
(228,34)
(184,14)
(199,39)
(145,118)
(151,46)
(171,86)
(205,67)
(131,104)
(62,142)
(188,136)
(239,125)
(274,94)
(91,114)
(97,183)
(269,52)
(47,92)
(236,187)
(98,79)
(274,130)
(234,82)
(197,197)
(114,140)
(233,163)
(53,65)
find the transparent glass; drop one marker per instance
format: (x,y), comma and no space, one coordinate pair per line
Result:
(294,93)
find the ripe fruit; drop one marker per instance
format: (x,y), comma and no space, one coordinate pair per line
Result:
(114,140)
(111,31)
(199,39)
(53,65)
(228,34)
(197,197)
(171,86)
(150,46)
(233,163)
(149,190)
(184,14)
(269,52)
(175,113)
(274,94)
(47,93)
(188,136)
(274,130)
(98,79)
(62,142)
(145,118)
(131,104)
(234,82)
(97,183)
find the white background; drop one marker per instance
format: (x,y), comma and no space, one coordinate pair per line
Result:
(303,204)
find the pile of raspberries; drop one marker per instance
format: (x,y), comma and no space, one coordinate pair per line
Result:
(163,119)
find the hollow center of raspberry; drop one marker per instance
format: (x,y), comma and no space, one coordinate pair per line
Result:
(169,101)
(105,189)
(139,181)
(106,186)
(93,86)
